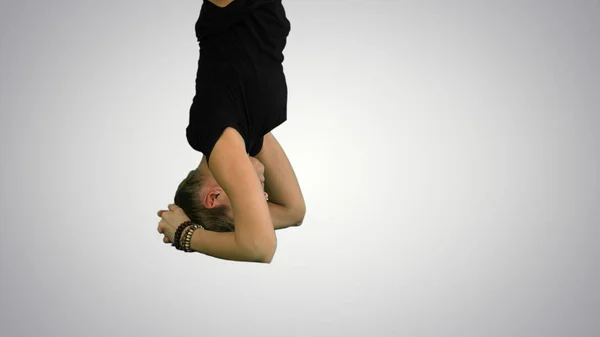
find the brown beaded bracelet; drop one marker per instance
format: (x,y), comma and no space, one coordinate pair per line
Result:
(188,238)
(177,236)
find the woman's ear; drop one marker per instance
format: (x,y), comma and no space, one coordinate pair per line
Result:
(214,198)
(210,198)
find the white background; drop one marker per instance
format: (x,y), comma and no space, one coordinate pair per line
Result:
(448,152)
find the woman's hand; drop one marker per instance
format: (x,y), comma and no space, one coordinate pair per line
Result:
(170,220)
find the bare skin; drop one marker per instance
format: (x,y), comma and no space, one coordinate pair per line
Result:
(238,180)
(278,180)
(213,195)
(221,3)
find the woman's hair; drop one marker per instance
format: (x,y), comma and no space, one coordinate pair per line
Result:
(188,198)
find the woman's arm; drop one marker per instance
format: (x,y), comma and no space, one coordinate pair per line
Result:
(219,245)
(254,236)
(224,246)
(283,217)
(286,203)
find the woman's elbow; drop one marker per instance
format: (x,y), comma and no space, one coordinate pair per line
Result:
(298,216)
(266,253)
(262,251)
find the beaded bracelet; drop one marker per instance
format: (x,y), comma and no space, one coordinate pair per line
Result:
(177,236)
(180,244)
(188,238)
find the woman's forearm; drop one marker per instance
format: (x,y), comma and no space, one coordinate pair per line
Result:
(225,246)
(283,217)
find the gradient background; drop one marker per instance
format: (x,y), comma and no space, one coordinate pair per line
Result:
(448,152)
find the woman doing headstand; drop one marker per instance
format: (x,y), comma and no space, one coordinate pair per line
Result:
(244,174)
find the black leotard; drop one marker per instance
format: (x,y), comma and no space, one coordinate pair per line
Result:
(240,80)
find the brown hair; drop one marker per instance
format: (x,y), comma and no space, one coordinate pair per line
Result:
(188,198)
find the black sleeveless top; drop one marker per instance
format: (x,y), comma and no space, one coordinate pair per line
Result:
(240,80)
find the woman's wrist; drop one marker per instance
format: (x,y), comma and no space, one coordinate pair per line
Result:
(179,232)
(186,238)
(183,234)
(181,240)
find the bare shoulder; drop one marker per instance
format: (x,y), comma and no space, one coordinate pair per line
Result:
(233,170)
(221,3)
(230,164)
(227,147)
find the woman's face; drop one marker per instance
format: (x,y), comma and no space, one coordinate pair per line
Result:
(260,170)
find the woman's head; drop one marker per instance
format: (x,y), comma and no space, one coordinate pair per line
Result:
(205,202)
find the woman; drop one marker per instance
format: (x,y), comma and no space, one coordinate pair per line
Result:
(244,174)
